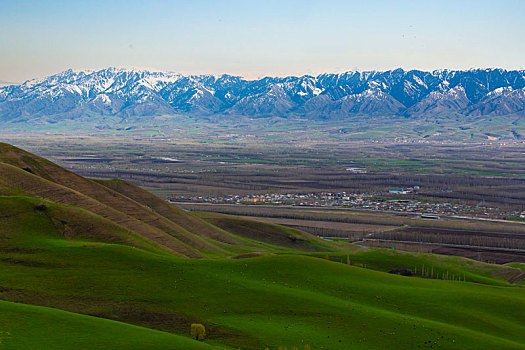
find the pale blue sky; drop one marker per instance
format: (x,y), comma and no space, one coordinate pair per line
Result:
(258,38)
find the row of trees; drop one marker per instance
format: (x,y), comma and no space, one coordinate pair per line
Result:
(455,239)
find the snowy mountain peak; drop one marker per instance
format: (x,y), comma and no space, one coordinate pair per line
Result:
(135,92)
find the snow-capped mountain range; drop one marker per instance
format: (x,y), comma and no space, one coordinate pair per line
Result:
(128,93)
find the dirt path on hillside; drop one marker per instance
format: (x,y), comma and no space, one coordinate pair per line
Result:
(517,277)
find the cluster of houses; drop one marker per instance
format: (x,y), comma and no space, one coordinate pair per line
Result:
(353,200)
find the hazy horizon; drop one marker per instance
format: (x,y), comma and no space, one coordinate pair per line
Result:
(253,40)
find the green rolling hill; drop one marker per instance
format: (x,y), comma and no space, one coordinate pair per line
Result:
(35,327)
(96,265)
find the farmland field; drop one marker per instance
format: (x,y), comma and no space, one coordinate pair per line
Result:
(490,241)
(491,174)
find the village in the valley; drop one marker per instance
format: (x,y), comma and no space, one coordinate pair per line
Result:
(390,201)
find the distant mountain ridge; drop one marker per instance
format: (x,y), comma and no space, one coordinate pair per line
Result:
(128,93)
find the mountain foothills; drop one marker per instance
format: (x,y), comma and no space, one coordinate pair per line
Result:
(88,264)
(116,95)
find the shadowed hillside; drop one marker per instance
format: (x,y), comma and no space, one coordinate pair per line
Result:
(173,213)
(124,204)
(265,232)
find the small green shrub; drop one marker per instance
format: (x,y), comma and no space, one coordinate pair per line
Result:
(198,331)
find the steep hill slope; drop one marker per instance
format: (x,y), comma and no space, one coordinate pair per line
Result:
(29,222)
(173,213)
(127,206)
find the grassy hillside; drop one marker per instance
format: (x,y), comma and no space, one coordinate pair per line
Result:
(173,213)
(269,301)
(128,206)
(75,248)
(16,180)
(262,232)
(28,222)
(25,327)
(265,301)
(426,265)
